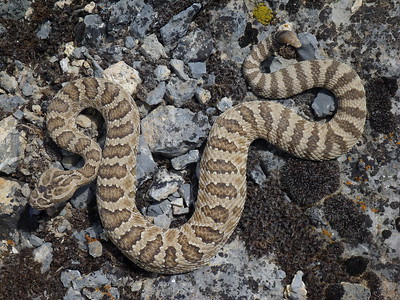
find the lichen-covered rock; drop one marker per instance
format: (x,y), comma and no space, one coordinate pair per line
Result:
(156,95)
(142,22)
(179,92)
(194,47)
(146,166)
(124,75)
(172,131)
(95,30)
(178,25)
(12,145)
(152,48)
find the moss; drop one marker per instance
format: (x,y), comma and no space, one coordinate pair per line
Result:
(271,224)
(263,13)
(347,219)
(379,93)
(334,292)
(356,265)
(307,182)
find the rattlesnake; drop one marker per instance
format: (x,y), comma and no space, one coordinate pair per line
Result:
(222,183)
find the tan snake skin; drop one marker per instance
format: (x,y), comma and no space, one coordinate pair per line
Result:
(222,186)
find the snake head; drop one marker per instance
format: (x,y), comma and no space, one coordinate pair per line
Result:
(54,186)
(287,37)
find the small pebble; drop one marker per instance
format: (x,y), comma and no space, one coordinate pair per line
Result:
(179,68)
(95,249)
(162,221)
(162,72)
(180,162)
(178,211)
(224,104)
(202,95)
(197,69)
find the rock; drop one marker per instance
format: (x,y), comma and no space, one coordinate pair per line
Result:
(186,194)
(177,201)
(324,104)
(228,24)
(194,47)
(35,240)
(146,167)
(68,276)
(82,197)
(309,47)
(155,210)
(44,30)
(355,291)
(73,295)
(95,30)
(180,162)
(257,175)
(179,92)
(91,280)
(143,21)
(224,104)
(14,9)
(162,72)
(162,221)
(297,289)
(179,211)
(44,255)
(124,75)
(79,52)
(97,294)
(90,7)
(122,13)
(165,184)
(8,188)
(202,95)
(179,68)
(152,48)
(136,286)
(95,249)
(18,114)
(129,42)
(8,104)
(86,235)
(116,53)
(172,131)
(3,30)
(156,95)
(197,69)
(178,25)
(64,65)
(62,3)
(7,82)
(28,90)
(12,145)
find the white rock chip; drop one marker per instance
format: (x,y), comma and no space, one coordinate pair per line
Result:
(124,75)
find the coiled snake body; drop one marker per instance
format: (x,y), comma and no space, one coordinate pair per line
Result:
(222,185)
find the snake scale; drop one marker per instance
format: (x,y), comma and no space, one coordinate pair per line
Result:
(222,182)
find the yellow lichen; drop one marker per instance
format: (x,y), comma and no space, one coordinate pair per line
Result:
(263,13)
